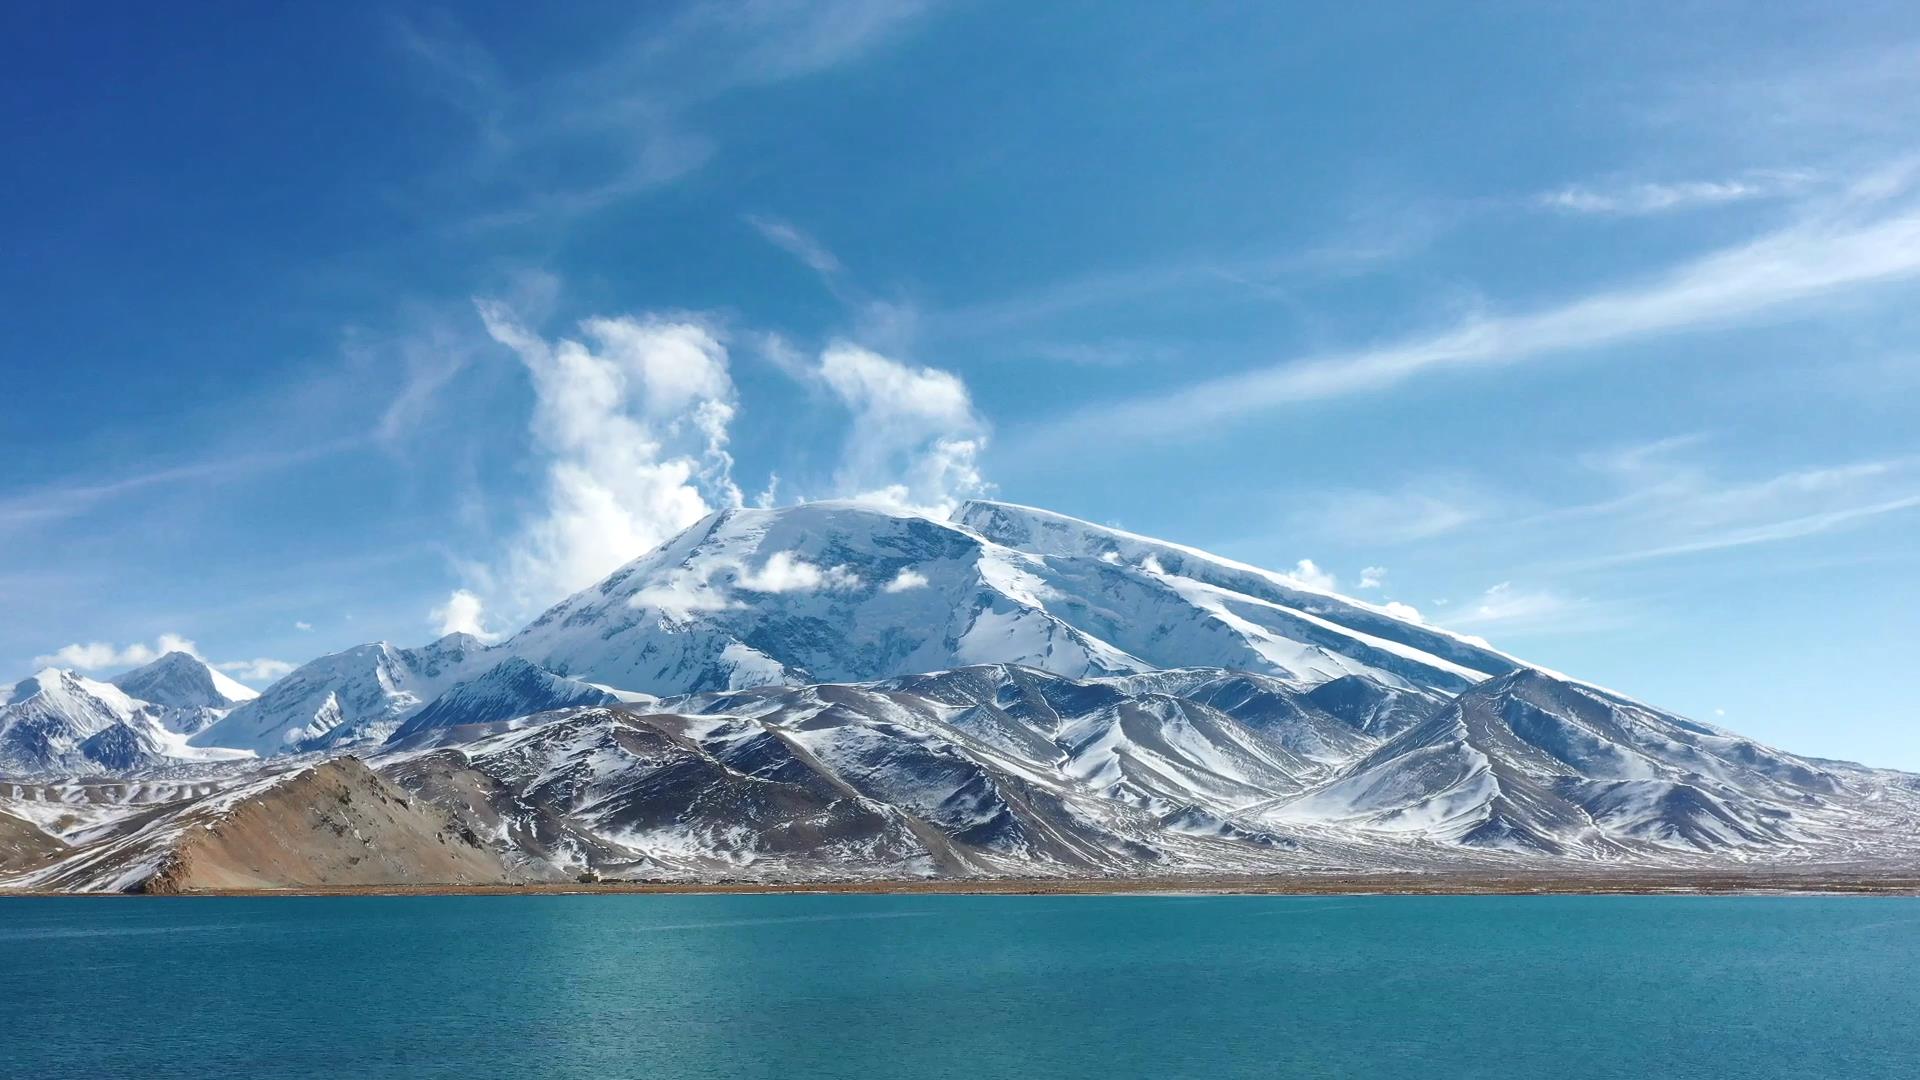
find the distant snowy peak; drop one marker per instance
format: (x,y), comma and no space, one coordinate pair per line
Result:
(180,680)
(59,721)
(358,695)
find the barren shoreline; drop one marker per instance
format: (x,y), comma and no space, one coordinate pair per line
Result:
(1287,885)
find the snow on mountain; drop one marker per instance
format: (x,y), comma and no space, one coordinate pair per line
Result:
(835,689)
(1005,769)
(181,680)
(1290,628)
(839,592)
(984,769)
(1531,762)
(358,695)
(511,689)
(58,721)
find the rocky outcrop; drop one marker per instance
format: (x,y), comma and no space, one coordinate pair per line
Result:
(335,824)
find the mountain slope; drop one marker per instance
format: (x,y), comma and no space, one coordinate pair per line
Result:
(1532,762)
(511,689)
(358,695)
(180,680)
(837,592)
(331,824)
(58,721)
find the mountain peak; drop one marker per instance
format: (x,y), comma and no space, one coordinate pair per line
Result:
(181,680)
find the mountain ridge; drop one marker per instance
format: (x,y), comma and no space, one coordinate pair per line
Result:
(835,689)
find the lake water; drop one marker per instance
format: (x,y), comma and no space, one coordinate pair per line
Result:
(957,986)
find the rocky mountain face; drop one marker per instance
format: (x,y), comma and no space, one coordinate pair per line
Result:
(829,690)
(57,721)
(183,681)
(360,695)
(510,689)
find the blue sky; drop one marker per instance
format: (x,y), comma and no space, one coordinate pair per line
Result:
(1587,331)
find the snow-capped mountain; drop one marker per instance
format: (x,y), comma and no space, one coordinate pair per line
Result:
(181,680)
(57,720)
(838,592)
(359,695)
(190,692)
(835,689)
(511,689)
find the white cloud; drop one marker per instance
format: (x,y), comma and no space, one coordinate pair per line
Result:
(1306,573)
(95,655)
(463,613)
(784,572)
(1412,512)
(1868,237)
(634,425)
(1403,611)
(1504,604)
(682,595)
(1373,577)
(302,625)
(791,240)
(1667,504)
(262,670)
(906,579)
(618,120)
(1655,198)
(915,437)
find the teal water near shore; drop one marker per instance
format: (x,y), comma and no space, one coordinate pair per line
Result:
(961,986)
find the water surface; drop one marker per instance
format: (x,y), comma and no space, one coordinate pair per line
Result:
(961,986)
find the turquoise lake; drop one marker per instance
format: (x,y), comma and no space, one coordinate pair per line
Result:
(961,986)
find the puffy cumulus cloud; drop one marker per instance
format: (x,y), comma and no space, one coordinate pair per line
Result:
(784,572)
(915,439)
(1373,577)
(262,670)
(682,595)
(633,421)
(463,613)
(1403,611)
(905,580)
(1310,575)
(96,655)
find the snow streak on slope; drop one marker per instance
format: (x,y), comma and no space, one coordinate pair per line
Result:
(831,689)
(843,593)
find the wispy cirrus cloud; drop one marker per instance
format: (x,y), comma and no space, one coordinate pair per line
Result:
(1669,501)
(62,501)
(560,144)
(789,238)
(1415,511)
(1866,238)
(1657,197)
